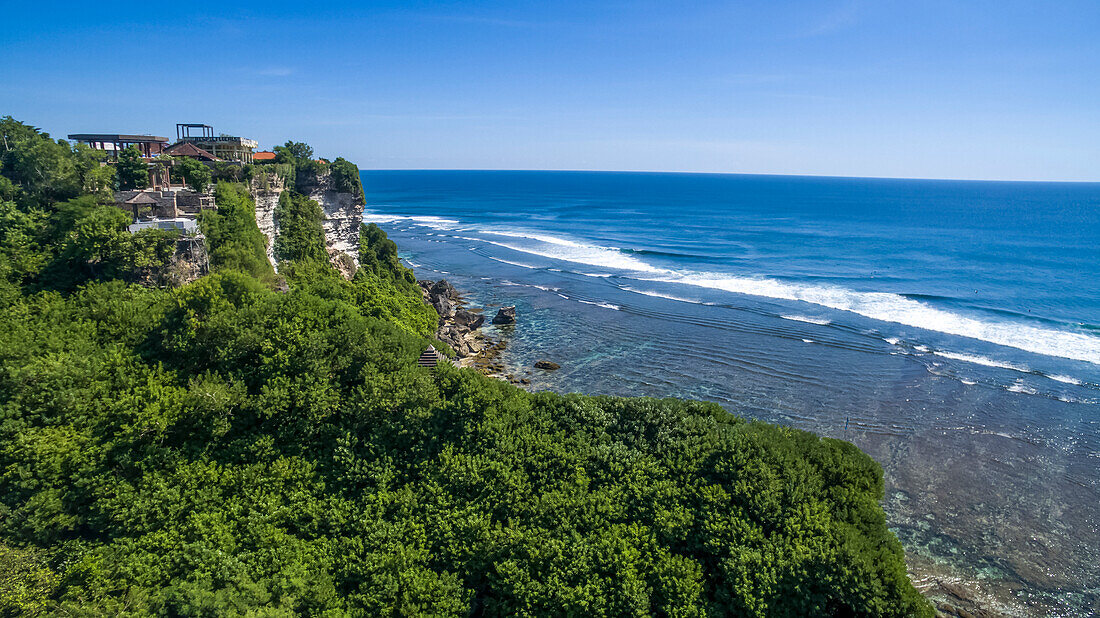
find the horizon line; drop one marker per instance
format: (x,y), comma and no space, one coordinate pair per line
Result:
(699,173)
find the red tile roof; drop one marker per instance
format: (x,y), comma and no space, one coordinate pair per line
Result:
(263,155)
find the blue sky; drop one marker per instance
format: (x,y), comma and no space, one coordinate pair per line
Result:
(994,90)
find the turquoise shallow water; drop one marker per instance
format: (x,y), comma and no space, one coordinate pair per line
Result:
(950,329)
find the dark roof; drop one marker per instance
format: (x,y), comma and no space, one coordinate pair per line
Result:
(430,357)
(141,198)
(117,137)
(187,149)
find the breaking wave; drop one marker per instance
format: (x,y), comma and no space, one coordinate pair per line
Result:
(882,306)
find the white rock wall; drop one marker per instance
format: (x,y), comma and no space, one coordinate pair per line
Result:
(343,214)
(267,198)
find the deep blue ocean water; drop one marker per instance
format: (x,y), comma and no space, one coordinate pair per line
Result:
(951,329)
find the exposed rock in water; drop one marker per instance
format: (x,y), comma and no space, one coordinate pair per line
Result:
(457,325)
(468,319)
(505,315)
(547,365)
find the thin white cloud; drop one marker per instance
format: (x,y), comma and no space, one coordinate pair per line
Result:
(845,15)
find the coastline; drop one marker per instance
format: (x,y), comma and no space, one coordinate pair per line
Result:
(988,450)
(953,591)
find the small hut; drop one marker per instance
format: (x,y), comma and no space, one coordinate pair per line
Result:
(431,357)
(139,200)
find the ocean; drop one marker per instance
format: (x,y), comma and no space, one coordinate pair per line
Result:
(950,329)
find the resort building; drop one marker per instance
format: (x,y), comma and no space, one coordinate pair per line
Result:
(188,226)
(224,147)
(112,143)
(187,149)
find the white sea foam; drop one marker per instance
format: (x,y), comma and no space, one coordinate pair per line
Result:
(807,319)
(660,295)
(1019,387)
(520,264)
(592,255)
(981,360)
(884,306)
(1065,379)
(890,307)
(922,348)
(807,341)
(967,382)
(891,340)
(604,305)
(546,238)
(602,275)
(436,223)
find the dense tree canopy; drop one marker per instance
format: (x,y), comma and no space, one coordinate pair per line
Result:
(133,172)
(196,175)
(293,152)
(232,238)
(226,448)
(301,236)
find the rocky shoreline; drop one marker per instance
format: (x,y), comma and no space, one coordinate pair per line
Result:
(459,328)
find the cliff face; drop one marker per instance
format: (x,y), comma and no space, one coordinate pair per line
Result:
(265,192)
(343,216)
(343,213)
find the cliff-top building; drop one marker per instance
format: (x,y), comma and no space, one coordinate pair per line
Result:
(113,143)
(224,147)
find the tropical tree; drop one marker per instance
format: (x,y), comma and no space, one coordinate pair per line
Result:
(195,174)
(133,172)
(293,152)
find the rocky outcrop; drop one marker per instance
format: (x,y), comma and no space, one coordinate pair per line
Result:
(468,319)
(458,326)
(505,315)
(265,190)
(189,261)
(547,365)
(343,213)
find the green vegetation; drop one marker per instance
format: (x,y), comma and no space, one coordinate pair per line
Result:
(232,239)
(225,448)
(301,237)
(295,153)
(195,174)
(133,172)
(345,177)
(36,170)
(295,161)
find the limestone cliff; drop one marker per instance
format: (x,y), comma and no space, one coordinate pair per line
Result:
(265,190)
(343,213)
(343,216)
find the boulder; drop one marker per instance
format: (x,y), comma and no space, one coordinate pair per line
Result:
(505,315)
(444,288)
(468,319)
(443,306)
(547,365)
